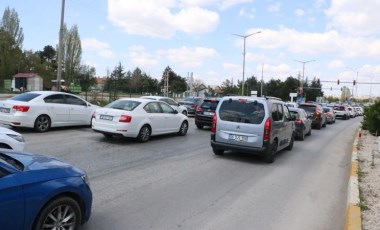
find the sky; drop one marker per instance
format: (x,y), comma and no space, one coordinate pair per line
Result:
(327,39)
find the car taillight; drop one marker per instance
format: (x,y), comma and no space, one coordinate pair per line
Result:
(21,108)
(267,128)
(125,118)
(198,108)
(298,121)
(213,125)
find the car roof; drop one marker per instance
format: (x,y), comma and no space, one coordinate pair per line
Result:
(138,99)
(154,97)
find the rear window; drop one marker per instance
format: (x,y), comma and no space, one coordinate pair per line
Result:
(326,110)
(25,96)
(242,111)
(340,108)
(295,114)
(210,104)
(127,105)
(308,108)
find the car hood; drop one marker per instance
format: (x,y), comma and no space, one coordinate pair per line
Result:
(39,167)
(4,130)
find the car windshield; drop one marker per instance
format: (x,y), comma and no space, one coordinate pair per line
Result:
(308,108)
(25,96)
(242,111)
(12,162)
(127,105)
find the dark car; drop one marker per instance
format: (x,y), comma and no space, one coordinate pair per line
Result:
(205,111)
(191,104)
(302,123)
(41,192)
(315,113)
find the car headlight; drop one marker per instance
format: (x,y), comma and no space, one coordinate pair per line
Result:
(17,137)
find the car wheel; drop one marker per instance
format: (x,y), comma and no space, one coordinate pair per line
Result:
(218,152)
(61,213)
(144,134)
(324,124)
(290,146)
(183,129)
(42,123)
(302,136)
(184,113)
(199,126)
(309,133)
(270,153)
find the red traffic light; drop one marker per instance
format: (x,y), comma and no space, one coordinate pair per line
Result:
(338,82)
(354,82)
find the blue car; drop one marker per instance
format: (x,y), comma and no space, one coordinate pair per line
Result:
(41,192)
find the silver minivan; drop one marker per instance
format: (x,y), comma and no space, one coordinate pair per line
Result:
(258,125)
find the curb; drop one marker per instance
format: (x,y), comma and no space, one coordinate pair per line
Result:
(353,213)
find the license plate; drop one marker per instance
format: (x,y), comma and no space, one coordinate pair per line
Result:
(106,117)
(238,137)
(4,110)
(209,113)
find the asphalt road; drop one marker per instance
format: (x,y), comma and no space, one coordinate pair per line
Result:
(174,182)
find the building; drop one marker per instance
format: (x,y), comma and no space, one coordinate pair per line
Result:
(27,82)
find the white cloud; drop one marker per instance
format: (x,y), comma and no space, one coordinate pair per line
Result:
(335,64)
(160,18)
(141,58)
(299,12)
(329,42)
(249,14)
(354,17)
(190,57)
(101,48)
(225,4)
(275,7)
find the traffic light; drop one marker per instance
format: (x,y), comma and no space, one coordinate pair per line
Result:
(354,82)
(338,81)
(318,81)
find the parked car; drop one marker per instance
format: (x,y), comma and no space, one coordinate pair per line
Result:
(351,111)
(255,125)
(359,111)
(330,115)
(341,111)
(42,110)
(191,104)
(139,118)
(180,108)
(205,112)
(10,139)
(302,123)
(315,112)
(41,192)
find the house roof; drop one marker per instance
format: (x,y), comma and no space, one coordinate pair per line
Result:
(27,75)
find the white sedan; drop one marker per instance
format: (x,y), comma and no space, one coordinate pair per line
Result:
(139,118)
(44,109)
(180,108)
(10,139)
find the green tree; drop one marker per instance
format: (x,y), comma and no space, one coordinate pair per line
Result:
(72,54)
(313,90)
(10,23)
(252,84)
(87,78)
(115,82)
(229,88)
(288,86)
(272,88)
(177,84)
(371,120)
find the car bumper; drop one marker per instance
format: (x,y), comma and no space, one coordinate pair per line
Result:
(17,120)
(239,148)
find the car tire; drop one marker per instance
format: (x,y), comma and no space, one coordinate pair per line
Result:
(144,134)
(183,129)
(199,126)
(302,136)
(309,133)
(218,152)
(42,123)
(324,124)
(184,113)
(61,212)
(270,153)
(290,146)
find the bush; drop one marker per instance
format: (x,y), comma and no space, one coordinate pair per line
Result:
(371,120)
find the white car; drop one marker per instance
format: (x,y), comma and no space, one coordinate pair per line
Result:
(42,110)
(10,139)
(139,118)
(180,108)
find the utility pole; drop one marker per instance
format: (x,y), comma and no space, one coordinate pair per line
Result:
(245,38)
(60,54)
(303,78)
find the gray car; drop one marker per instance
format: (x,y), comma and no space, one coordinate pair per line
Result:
(255,125)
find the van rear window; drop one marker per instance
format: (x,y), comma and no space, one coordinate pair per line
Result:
(25,96)
(242,111)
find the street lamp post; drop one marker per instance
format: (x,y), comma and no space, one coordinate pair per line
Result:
(244,37)
(60,47)
(355,86)
(303,72)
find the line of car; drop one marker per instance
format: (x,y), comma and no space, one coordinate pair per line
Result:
(46,191)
